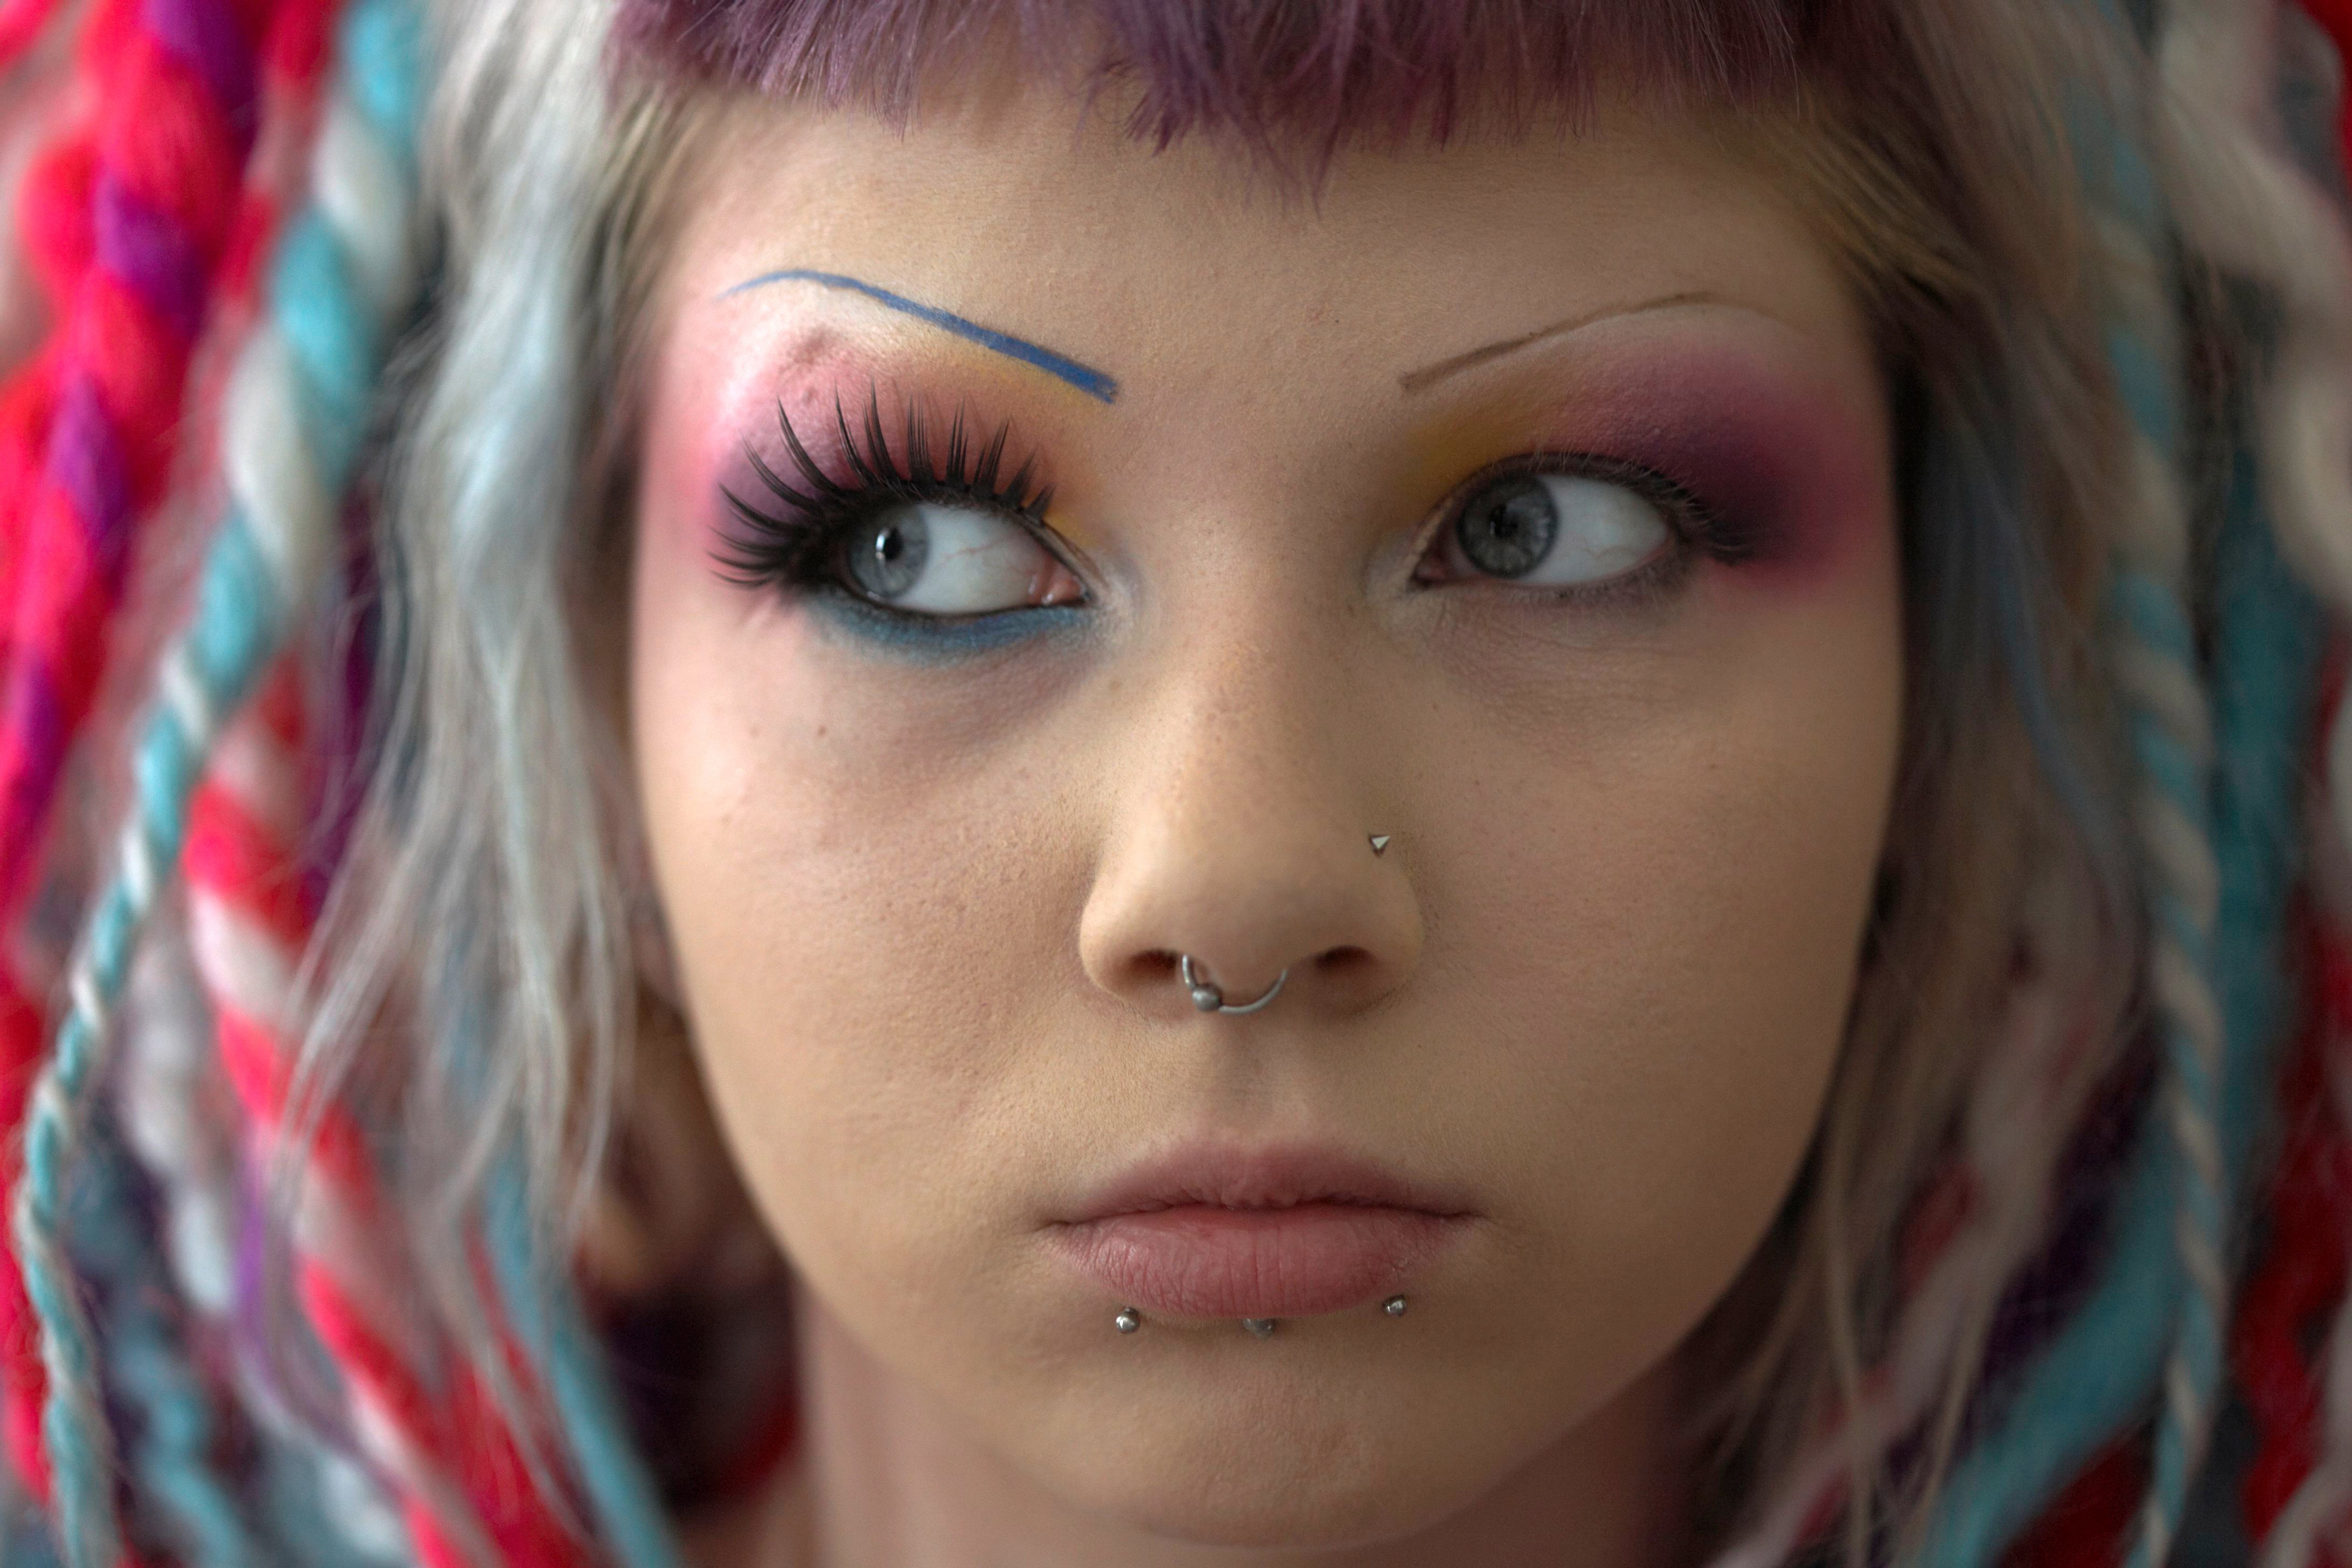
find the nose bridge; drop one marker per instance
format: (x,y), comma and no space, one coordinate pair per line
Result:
(1242,833)
(1251,756)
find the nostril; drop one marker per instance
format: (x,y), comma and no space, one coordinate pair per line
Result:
(1154,968)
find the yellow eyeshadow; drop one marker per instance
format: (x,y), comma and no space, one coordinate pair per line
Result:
(1463,439)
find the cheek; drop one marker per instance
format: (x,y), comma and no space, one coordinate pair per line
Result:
(1663,871)
(846,943)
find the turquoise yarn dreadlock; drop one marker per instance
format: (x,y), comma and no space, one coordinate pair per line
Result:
(2095,1376)
(295,421)
(2217,845)
(2169,719)
(542,1302)
(2270,637)
(540,1299)
(197,1506)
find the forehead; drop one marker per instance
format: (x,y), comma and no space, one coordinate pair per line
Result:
(1186,273)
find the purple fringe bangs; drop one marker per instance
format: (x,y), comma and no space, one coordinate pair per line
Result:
(1277,71)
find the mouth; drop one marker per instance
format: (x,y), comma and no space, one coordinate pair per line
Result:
(1234,1233)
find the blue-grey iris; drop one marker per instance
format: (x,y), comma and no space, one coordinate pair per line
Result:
(891,557)
(1510,527)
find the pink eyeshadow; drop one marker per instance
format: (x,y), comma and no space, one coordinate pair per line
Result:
(1796,471)
(1792,462)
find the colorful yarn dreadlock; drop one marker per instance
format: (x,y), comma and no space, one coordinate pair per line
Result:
(465,1492)
(298,408)
(251,925)
(466,1489)
(133,227)
(22,22)
(2170,725)
(2166,1256)
(2304,420)
(2336,16)
(296,413)
(2298,1487)
(296,417)
(2215,852)
(1984,1217)
(2090,1384)
(182,99)
(176,83)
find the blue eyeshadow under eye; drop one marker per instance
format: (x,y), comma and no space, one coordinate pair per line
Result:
(1086,378)
(926,640)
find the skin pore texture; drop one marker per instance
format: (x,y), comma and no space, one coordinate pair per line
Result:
(927,881)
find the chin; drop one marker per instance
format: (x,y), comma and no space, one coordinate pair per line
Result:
(1272,1476)
(1238,1513)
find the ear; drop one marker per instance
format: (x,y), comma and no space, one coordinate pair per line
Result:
(667,1196)
(650,945)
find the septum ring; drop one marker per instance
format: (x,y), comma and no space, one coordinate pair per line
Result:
(1208,998)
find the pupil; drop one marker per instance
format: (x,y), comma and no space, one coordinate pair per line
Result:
(891,561)
(1508,531)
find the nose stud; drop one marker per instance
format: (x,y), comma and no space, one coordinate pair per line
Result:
(1208,998)
(1379,845)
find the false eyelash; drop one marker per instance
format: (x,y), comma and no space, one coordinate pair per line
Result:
(795,549)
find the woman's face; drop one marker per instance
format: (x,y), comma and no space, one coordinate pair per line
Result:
(1528,507)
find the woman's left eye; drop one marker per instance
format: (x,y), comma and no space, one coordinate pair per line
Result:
(1555,531)
(927,558)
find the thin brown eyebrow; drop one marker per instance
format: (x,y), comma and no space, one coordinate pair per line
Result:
(1417,381)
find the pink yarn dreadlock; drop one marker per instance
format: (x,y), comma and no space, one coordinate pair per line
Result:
(182,101)
(87,436)
(146,245)
(2336,16)
(463,1489)
(2292,1346)
(21,22)
(137,222)
(160,174)
(139,304)
(2291,1299)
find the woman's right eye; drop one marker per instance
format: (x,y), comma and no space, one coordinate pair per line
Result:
(930,558)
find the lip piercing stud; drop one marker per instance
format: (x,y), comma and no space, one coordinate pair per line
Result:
(1128,1320)
(1262,1327)
(1394,1306)
(1379,844)
(1208,998)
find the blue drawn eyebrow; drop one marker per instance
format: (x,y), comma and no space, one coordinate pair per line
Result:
(1086,379)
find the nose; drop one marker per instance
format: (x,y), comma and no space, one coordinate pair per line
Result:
(1242,842)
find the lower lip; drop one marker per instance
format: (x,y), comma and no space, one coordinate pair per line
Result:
(1197,1262)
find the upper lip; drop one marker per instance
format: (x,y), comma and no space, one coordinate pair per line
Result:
(1233,1176)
